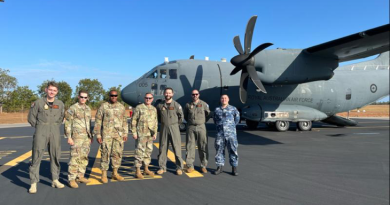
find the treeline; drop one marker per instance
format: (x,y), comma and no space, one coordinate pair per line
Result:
(14,98)
(380,103)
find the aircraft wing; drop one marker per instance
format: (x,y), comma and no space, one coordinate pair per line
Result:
(355,46)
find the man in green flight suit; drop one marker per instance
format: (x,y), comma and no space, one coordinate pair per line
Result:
(170,115)
(46,115)
(111,131)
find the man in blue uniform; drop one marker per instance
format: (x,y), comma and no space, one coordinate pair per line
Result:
(226,117)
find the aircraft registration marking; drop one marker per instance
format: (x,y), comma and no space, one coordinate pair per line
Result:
(171,156)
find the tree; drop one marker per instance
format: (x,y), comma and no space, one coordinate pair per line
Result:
(7,85)
(19,99)
(64,92)
(94,88)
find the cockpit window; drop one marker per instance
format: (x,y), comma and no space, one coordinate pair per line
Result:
(162,88)
(153,89)
(173,73)
(163,73)
(153,74)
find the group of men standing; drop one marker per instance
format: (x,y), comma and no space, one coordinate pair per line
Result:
(111,130)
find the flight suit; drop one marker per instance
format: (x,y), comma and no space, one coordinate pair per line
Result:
(170,117)
(47,120)
(78,127)
(196,116)
(111,126)
(226,120)
(144,124)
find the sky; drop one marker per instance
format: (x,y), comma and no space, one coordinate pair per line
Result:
(117,41)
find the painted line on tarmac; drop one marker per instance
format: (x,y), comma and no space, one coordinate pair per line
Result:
(96,172)
(2,138)
(351,127)
(171,157)
(15,161)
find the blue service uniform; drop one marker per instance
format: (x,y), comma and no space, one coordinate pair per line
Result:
(226,120)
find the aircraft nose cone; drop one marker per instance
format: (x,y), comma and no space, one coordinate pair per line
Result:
(129,94)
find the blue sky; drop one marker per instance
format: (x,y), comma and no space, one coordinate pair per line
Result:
(119,40)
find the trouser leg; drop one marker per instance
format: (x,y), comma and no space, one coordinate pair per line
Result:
(232,145)
(176,146)
(105,150)
(140,150)
(55,154)
(220,151)
(38,149)
(203,150)
(162,156)
(148,152)
(190,147)
(116,153)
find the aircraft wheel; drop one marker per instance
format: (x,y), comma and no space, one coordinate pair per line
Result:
(252,124)
(183,127)
(282,126)
(304,125)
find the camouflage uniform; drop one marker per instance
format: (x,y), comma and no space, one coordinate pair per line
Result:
(78,127)
(170,117)
(47,120)
(111,126)
(226,120)
(144,124)
(196,116)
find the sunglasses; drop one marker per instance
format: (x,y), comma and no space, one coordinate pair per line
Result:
(148,98)
(114,96)
(195,94)
(83,97)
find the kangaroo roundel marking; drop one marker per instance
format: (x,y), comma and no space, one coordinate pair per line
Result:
(373,88)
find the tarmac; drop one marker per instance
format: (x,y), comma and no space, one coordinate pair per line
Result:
(328,165)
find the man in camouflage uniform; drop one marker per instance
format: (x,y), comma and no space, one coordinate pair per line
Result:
(46,116)
(144,124)
(196,113)
(226,117)
(111,131)
(78,132)
(170,115)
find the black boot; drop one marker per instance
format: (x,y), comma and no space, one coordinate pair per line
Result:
(218,171)
(234,171)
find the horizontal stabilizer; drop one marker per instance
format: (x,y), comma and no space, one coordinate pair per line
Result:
(359,45)
(339,121)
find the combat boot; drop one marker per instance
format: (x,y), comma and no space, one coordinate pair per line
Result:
(33,188)
(234,171)
(104,177)
(57,184)
(189,169)
(218,171)
(179,172)
(148,172)
(82,180)
(73,184)
(204,170)
(161,171)
(138,173)
(116,176)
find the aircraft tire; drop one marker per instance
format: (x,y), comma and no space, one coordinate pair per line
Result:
(282,126)
(251,124)
(183,127)
(304,125)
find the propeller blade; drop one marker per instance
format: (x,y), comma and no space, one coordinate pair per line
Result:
(249,33)
(243,86)
(255,79)
(235,70)
(237,44)
(258,49)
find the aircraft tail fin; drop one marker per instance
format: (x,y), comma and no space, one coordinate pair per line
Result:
(339,121)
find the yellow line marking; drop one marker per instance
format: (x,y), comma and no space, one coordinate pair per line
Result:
(96,172)
(351,127)
(2,138)
(171,156)
(15,161)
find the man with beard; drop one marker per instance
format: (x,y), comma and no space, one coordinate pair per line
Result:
(170,115)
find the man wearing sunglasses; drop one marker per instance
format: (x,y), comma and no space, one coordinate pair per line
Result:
(111,132)
(196,113)
(144,124)
(170,115)
(78,132)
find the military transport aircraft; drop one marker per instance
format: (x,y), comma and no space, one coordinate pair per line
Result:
(287,85)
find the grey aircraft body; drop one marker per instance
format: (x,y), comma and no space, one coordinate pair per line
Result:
(300,85)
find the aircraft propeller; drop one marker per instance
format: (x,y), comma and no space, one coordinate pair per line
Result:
(245,61)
